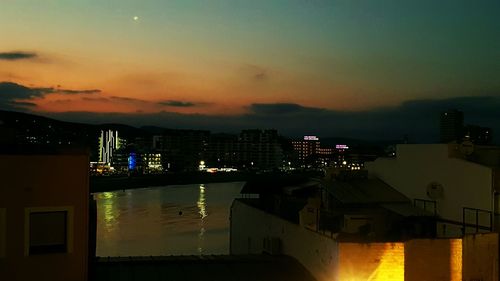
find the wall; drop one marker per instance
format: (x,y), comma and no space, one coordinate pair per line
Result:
(249,227)
(39,181)
(371,261)
(433,259)
(480,257)
(476,256)
(465,184)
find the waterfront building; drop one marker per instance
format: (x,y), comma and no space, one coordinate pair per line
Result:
(109,142)
(181,150)
(260,149)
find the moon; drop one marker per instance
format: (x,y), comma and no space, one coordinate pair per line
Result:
(136,18)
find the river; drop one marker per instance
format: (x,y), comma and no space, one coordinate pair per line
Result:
(171,220)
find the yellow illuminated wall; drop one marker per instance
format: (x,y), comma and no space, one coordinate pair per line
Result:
(420,259)
(374,261)
(433,259)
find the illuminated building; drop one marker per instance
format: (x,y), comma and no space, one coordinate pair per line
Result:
(310,152)
(109,142)
(306,147)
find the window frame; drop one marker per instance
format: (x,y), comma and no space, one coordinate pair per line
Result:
(69,228)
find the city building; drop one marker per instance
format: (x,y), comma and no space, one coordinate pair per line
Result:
(44,216)
(306,147)
(109,142)
(260,149)
(451,126)
(222,151)
(181,150)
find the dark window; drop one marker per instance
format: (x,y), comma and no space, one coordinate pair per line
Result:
(48,232)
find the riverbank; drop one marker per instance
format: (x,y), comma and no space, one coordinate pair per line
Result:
(103,184)
(109,183)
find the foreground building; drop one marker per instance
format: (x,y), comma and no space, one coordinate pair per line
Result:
(44,216)
(428,214)
(461,183)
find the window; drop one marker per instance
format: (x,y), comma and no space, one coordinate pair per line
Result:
(3,232)
(47,230)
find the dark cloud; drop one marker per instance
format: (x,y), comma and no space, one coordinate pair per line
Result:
(16,96)
(279,108)
(17,55)
(76,92)
(176,103)
(127,99)
(419,119)
(99,99)
(260,76)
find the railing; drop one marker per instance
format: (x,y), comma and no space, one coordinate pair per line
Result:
(476,213)
(423,203)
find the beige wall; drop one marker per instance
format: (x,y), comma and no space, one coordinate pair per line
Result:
(433,259)
(480,257)
(371,261)
(41,181)
(465,184)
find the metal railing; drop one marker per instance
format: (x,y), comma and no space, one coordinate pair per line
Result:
(476,213)
(423,203)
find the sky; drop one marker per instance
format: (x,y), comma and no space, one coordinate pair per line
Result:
(226,64)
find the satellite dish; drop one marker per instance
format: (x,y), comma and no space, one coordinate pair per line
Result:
(466,148)
(435,191)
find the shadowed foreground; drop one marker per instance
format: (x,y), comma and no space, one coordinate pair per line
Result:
(185,268)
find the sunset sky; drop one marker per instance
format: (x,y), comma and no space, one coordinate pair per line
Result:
(232,58)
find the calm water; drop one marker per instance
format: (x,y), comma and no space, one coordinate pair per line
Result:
(170,220)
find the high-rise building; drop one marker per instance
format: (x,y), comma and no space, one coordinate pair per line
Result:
(182,150)
(109,142)
(451,126)
(260,149)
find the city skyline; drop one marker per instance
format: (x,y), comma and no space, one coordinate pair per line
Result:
(354,68)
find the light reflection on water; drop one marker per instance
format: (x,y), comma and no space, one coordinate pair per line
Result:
(171,220)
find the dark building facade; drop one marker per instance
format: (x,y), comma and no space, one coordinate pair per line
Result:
(181,150)
(451,126)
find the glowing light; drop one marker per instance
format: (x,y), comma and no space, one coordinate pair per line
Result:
(456,259)
(377,261)
(311,138)
(136,18)
(203,214)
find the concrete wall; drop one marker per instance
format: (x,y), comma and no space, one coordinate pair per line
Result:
(249,227)
(480,257)
(371,261)
(433,259)
(41,181)
(465,184)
